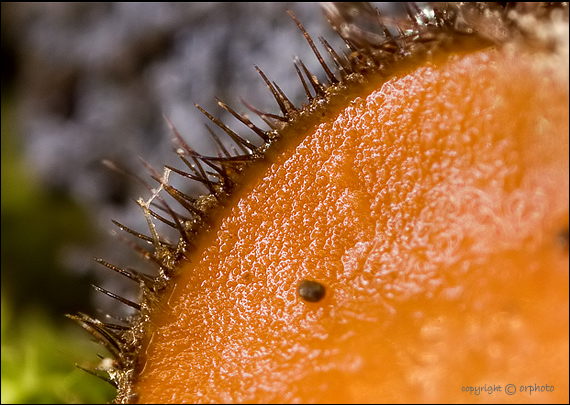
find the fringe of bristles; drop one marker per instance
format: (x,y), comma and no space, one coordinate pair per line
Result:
(425,31)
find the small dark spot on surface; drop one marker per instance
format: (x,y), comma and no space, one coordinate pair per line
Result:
(564,239)
(311,291)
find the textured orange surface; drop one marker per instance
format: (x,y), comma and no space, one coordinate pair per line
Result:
(433,211)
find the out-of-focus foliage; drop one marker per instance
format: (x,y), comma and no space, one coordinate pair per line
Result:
(37,361)
(40,346)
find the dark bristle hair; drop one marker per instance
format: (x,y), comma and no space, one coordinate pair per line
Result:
(370,54)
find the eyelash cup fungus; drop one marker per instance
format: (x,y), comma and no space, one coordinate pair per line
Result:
(394,239)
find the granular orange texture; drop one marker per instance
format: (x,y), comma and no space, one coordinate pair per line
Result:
(435,212)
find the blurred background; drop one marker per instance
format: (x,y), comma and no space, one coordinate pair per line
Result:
(83,82)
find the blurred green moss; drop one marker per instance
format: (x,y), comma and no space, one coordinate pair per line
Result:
(40,347)
(38,359)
